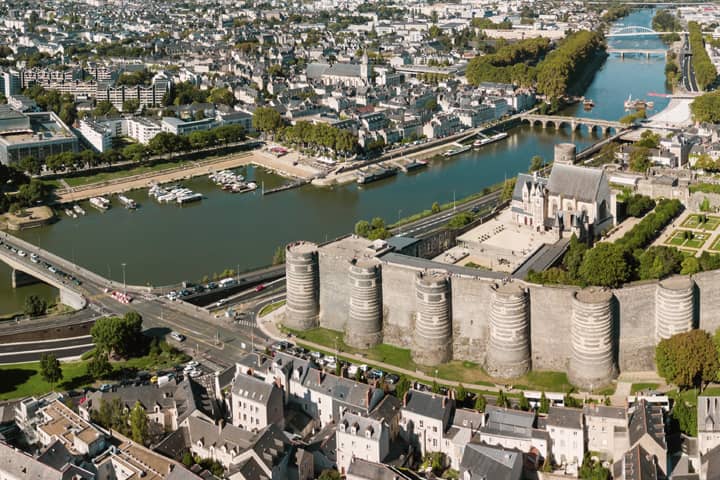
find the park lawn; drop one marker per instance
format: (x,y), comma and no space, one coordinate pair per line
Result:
(107,176)
(693,221)
(716,245)
(545,380)
(676,239)
(23,379)
(712,392)
(639,387)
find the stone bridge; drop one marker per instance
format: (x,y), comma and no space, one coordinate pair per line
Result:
(648,52)
(604,126)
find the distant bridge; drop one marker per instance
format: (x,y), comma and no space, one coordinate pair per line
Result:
(648,52)
(604,126)
(635,31)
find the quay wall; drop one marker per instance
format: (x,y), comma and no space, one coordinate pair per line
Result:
(627,324)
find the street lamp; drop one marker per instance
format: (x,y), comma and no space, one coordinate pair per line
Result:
(124,284)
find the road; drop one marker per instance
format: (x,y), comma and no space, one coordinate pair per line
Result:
(688,72)
(426,225)
(219,339)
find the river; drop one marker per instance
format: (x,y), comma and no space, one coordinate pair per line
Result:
(162,244)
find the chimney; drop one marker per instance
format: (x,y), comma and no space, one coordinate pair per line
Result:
(405,398)
(249,371)
(320,377)
(220,425)
(367,397)
(444,401)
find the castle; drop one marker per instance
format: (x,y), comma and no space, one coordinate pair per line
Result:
(446,312)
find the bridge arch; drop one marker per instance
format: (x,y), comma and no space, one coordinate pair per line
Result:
(631,29)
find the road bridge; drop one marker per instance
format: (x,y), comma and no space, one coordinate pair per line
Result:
(648,52)
(636,31)
(557,121)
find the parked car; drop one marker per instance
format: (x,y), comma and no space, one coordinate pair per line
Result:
(392,379)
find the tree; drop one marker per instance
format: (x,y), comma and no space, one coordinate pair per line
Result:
(605,265)
(279,256)
(435,388)
(99,366)
(502,400)
(435,208)
(639,159)
(685,416)
(480,403)
(50,369)
(574,257)
(687,359)
(267,119)
(524,404)
(35,306)
(329,474)
(31,165)
(401,387)
(460,393)
(648,139)
(592,470)
(460,220)
(536,163)
(221,95)
(114,335)
(139,424)
(508,188)
(690,266)
(103,108)
(544,403)
(131,105)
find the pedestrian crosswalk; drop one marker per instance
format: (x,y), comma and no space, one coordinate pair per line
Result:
(246,323)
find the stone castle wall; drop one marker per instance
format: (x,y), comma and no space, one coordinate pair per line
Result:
(559,327)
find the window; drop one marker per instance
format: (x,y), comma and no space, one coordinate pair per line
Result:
(434,442)
(421,424)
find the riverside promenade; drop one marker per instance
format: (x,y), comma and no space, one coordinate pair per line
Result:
(281,165)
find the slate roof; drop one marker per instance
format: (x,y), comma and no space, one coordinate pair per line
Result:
(529,180)
(484,461)
(636,464)
(572,181)
(647,419)
(251,388)
(565,418)
(503,421)
(429,405)
(360,468)
(341,389)
(362,424)
(20,465)
(711,463)
(603,411)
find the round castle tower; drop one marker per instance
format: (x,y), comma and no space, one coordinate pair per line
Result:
(364,326)
(592,359)
(302,285)
(508,351)
(432,337)
(674,307)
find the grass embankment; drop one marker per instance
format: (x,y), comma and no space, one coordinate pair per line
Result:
(640,387)
(23,379)
(468,373)
(138,170)
(447,206)
(271,307)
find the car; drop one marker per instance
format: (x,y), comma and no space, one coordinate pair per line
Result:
(193,363)
(260,288)
(52,269)
(316,355)
(105,387)
(330,359)
(22,253)
(352,370)
(331,366)
(212,286)
(475,209)
(177,336)
(375,373)
(221,302)
(194,373)
(392,379)
(154,379)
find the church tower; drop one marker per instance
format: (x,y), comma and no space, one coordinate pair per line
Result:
(365,69)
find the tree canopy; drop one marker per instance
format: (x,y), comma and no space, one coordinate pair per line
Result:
(116,335)
(687,359)
(50,369)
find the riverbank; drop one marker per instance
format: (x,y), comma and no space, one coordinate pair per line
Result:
(30,218)
(285,166)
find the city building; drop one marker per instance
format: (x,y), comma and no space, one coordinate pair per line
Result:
(77,435)
(484,461)
(98,135)
(360,437)
(36,134)
(255,403)
(565,427)
(425,417)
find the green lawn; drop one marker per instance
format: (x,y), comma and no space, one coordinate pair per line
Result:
(271,307)
(22,380)
(107,176)
(639,387)
(468,373)
(678,239)
(712,392)
(693,221)
(716,245)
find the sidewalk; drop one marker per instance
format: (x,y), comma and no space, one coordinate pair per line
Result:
(268,325)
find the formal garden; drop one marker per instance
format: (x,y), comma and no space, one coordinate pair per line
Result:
(687,239)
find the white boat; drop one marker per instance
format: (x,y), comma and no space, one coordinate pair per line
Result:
(128,203)
(70,213)
(488,140)
(188,198)
(78,209)
(457,150)
(100,203)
